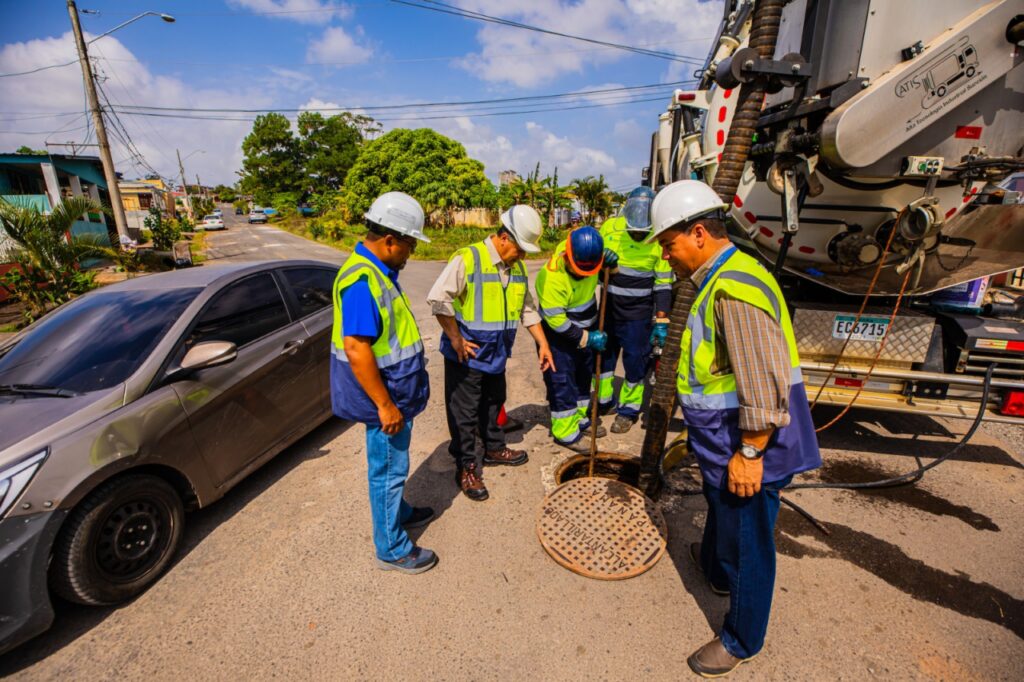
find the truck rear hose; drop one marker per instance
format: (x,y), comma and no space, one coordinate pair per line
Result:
(763,33)
(910,477)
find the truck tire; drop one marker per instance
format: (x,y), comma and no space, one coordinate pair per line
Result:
(117,541)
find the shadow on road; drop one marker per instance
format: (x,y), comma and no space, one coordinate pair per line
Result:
(432,485)
(72,621)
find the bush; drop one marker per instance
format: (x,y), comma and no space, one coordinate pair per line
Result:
(164,232)
(286,204)
(40,291)
(316,229)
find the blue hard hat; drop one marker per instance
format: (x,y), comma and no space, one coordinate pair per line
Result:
(637,211)
(585,250)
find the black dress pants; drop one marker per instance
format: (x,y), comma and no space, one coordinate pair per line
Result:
(472,400)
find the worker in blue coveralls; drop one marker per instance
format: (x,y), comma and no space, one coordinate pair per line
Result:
(378,371)
(639,298)
(569,311)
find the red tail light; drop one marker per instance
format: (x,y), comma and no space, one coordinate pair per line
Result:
(1013,404)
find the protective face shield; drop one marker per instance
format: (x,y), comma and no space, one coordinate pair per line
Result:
(637,211)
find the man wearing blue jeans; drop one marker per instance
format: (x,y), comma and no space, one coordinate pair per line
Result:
(746,412)
(378,372)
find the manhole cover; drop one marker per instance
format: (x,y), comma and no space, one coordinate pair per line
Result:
(601,528)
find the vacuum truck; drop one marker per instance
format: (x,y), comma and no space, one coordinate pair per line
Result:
(880,189)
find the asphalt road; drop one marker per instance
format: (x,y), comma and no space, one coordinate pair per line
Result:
(278,579)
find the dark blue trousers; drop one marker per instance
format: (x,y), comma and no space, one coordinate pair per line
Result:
(738,554)
(633,339)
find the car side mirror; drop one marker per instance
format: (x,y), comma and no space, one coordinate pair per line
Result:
(208,354)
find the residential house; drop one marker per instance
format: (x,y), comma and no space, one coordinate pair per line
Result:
(138,196)
(43,181)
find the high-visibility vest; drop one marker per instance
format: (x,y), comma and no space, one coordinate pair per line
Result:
(564,300)
(489,310)
(641,276)
(710,402)
(398,350)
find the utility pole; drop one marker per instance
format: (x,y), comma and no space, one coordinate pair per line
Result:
(101,132)
(184,187)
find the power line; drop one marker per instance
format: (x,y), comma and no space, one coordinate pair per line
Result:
(416,118)
(41,68)
(419,105)
(435,6)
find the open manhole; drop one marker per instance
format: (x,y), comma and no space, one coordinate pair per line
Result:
(606,465)
(601,527)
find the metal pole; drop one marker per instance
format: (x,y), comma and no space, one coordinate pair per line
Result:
(184,187)
(116,207)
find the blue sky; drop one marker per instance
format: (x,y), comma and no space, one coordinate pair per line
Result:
(310,54)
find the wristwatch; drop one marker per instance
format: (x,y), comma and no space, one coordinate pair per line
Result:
(748,451)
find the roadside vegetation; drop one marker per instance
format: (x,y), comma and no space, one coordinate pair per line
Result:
(332,168)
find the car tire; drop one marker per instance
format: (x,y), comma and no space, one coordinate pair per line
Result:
(117,541)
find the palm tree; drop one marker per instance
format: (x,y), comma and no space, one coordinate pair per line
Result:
(554,196)
(47,251)
(593,194)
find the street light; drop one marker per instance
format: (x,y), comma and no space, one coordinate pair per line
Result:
(166,17)
(97,114)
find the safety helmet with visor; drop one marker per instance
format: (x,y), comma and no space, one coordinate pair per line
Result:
(637,210)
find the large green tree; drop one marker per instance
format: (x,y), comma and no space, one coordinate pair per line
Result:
(272,162)
(329,146)
(434,169)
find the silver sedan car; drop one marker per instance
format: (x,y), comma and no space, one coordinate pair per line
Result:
(128,406)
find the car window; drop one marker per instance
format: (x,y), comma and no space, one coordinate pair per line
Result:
(312,288)
(242,313)
(96,341)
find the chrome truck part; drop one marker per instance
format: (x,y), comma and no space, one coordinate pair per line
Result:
(901,112)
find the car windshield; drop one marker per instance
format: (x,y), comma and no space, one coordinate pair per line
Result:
(210,217)
(94,342)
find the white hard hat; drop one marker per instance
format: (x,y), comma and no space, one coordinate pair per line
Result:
(681,202)
(525,225)
(399,212)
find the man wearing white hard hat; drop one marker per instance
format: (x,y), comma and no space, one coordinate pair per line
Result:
(479,300)
(746,412)
(378,371)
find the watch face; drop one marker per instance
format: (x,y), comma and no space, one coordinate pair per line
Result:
(750,452)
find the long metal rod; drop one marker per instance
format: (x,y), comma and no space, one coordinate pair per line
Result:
(595,394)
(116,207)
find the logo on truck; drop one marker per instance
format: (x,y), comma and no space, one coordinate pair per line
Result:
(950,69)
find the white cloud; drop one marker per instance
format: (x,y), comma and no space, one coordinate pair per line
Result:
(338,48)
(126,81)
(529,58)
(302,11)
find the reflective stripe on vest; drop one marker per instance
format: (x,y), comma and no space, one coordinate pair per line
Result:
(400,336)
(641,269)
(743,278)
(488,304)
(563,300)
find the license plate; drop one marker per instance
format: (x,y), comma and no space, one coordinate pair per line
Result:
(868,329)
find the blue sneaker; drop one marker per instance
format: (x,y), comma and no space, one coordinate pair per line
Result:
(419,560)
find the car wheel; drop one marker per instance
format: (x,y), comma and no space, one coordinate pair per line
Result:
(118,541)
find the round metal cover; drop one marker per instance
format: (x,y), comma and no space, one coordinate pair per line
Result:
(601,528)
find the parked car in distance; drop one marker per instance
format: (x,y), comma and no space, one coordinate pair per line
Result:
(181,384)
(257,216)
(212,222)
(238,210)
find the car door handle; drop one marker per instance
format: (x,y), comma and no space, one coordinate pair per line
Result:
(292,347)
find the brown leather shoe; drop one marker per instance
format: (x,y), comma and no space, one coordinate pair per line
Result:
(505,456)
(712,660)
(472,484)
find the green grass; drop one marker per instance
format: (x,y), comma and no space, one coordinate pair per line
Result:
(443,242)
(7,328)
(197,246)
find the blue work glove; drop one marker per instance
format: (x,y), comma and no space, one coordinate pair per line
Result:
(659,334)
(596,341)
(611,259)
